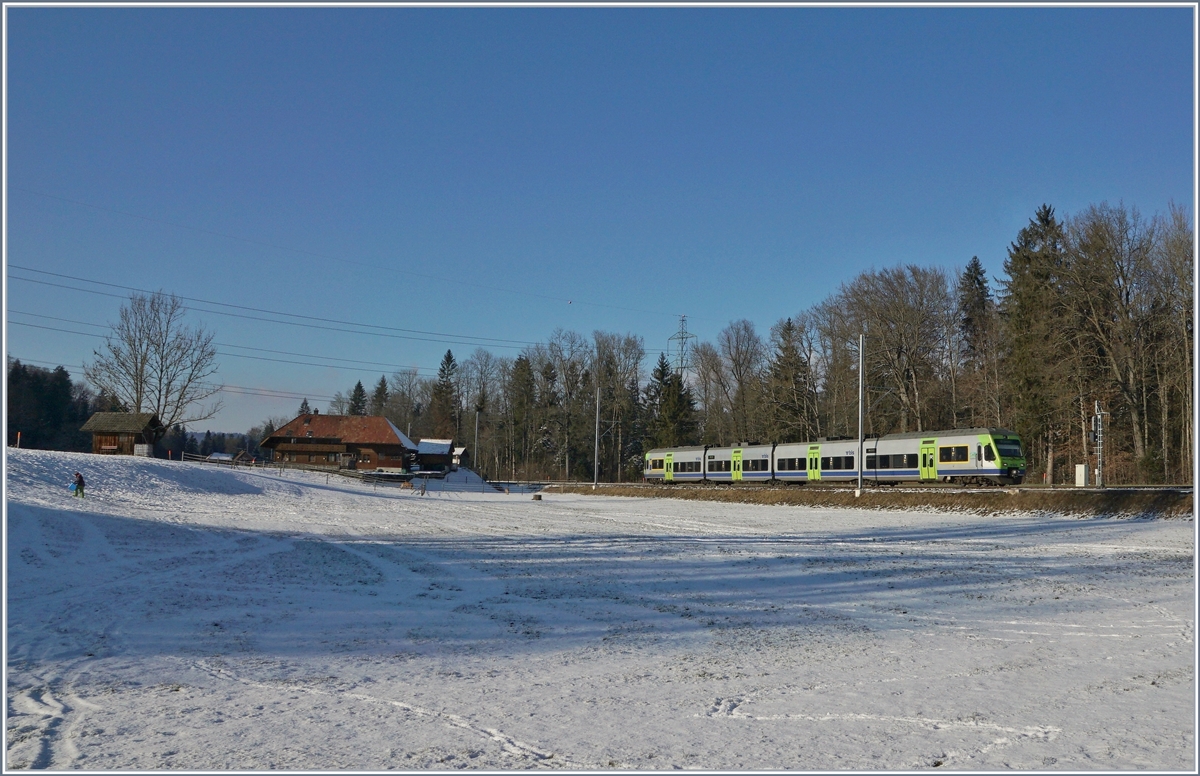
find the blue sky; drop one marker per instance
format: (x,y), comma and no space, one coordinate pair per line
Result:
(499,173)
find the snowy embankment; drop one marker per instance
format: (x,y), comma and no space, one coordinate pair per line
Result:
(183,616)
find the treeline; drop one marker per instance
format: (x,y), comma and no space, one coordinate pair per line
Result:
(1092,307)
(1095,307)
(47,408)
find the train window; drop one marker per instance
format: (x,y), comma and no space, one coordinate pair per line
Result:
(871,462)
(988,453)
(1008,448)
(656,464)
(953,454)
(825,463)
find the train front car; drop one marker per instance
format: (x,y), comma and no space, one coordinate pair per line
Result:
(967,456)
(980,456)
(1007,449)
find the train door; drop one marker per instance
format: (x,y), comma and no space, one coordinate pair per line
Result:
(928,460)
(814,463)
(669,467)
(737,466)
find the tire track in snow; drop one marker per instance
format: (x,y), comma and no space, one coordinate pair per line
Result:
(507,743)
(729,708)
(49,714)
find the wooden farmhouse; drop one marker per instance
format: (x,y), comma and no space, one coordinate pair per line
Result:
(340,441)
(117,433)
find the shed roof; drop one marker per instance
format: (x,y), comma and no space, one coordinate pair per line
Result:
(351,429)
(435,446)
(121,422)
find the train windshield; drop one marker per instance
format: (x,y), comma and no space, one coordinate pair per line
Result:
(1009,448)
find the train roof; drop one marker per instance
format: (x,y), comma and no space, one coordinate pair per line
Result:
(676,450)
(886,437)
(944,432)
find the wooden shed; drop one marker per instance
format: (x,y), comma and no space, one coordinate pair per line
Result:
(116,433)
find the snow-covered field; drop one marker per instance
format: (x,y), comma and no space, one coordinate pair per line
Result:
(188,617)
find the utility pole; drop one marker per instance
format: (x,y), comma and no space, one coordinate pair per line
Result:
(475,450)
(596,454)
(861,360)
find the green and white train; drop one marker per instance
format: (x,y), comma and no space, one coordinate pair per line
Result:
(970,456)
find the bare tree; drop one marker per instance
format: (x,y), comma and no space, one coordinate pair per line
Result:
(1108,286)
(1174,268)
(712,388)
(743,355)
(905,312)
(153,362)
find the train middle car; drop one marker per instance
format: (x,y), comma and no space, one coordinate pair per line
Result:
(967,456)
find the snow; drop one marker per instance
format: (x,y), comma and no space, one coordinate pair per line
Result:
(187,616)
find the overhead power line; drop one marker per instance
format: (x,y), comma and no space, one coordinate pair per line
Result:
(330,257)
(442,335)
(220,353)
(231,345)
(243,390)
(493,344)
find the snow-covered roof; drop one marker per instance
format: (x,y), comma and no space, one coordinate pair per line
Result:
(435,447)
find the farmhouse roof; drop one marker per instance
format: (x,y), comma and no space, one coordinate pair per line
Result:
(353,429)
(121,422)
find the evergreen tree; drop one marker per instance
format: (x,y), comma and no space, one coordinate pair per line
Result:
(174,442)
(379,397)
(632,430)
(47,408)
(522,401)
(1035,352)
(358,400)
(443,403)
(671,406)
(304,408)
(206,445)
(978,327)
(975,308)
(790,388)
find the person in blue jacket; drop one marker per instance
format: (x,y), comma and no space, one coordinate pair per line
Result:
(78,485)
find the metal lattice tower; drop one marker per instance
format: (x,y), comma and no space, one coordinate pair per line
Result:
(682,362)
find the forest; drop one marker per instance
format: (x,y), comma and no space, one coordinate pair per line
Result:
(1092,307)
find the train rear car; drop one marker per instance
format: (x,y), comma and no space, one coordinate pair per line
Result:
(676,464)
